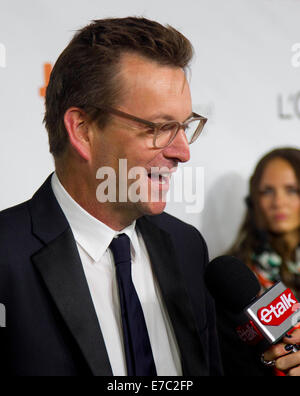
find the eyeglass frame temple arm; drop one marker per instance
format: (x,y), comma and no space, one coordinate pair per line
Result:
(149,123)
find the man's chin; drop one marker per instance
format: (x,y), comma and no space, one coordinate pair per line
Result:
(152,208)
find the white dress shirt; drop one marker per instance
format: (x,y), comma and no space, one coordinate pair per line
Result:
(93,239)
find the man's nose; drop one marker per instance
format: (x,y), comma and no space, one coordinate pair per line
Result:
(179,149)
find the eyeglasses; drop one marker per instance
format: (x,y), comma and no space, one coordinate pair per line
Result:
(164,133)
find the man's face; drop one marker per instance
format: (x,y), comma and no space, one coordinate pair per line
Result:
(154,93)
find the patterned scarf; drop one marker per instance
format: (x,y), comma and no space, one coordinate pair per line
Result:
(267,264)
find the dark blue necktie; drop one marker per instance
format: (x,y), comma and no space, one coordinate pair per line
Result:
(139,357)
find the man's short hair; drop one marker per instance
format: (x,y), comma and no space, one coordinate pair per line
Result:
(87,72)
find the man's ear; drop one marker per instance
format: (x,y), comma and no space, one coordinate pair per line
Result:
(77,127)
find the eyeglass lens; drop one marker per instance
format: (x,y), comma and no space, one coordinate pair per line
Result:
(167,132)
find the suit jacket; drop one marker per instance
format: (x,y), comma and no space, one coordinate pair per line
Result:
(51,324)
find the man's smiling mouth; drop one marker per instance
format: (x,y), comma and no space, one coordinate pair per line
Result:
(161,178)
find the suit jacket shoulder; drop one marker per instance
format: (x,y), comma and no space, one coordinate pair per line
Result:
(15,228)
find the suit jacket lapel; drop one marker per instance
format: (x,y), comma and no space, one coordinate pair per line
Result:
(170,279)
(59,265)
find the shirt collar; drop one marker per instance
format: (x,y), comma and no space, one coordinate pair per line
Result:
(90,233)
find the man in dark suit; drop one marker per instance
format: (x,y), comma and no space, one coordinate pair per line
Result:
(117,93)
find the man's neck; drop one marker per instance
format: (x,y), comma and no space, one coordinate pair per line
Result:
(83,192)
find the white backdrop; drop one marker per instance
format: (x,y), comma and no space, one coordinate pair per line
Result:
(245,78)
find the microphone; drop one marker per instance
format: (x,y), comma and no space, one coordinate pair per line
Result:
(231,283)
(259,321)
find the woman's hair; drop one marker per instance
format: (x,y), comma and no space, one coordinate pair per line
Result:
(254,234)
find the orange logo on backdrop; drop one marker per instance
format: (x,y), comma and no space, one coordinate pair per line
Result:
(47,72)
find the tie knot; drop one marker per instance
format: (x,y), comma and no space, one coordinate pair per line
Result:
(120,248)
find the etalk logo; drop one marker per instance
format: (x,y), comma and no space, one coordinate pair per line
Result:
(278,310)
